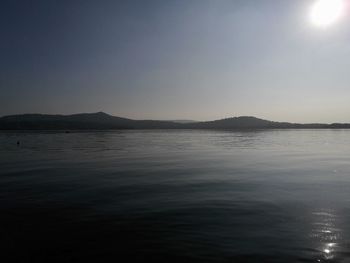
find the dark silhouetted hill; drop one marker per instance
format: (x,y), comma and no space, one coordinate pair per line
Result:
(85,121)
(103,121)
(249,122)
(183,121)
(243,122)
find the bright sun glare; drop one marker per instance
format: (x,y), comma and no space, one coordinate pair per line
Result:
(327,12)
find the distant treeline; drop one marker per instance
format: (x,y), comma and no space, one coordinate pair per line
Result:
(103,121)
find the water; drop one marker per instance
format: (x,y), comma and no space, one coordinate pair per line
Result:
(175,196)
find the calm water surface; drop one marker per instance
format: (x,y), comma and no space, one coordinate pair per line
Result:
(175,196)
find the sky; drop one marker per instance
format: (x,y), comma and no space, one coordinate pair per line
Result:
(178,59)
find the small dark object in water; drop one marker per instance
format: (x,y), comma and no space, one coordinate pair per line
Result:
(67,131)
(18,143)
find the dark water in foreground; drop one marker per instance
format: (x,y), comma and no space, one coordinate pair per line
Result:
(175,196)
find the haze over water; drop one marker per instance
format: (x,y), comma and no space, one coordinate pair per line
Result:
(175,196)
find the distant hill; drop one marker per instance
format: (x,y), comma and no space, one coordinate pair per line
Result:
(183,121)
(249,122)
(85,121)
(103,121)
(244,122)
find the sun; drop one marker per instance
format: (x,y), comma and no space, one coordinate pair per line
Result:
(326,12)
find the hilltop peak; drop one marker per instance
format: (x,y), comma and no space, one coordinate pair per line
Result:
(101,113)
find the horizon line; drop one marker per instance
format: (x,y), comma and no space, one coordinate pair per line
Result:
(172,120)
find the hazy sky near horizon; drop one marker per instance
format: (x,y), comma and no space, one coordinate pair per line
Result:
(179,59)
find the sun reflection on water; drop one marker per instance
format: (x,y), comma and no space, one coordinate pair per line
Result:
(326,234)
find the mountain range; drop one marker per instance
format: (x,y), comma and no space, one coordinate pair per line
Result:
(103,121)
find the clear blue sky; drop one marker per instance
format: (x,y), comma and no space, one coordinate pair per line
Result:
(179,59)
